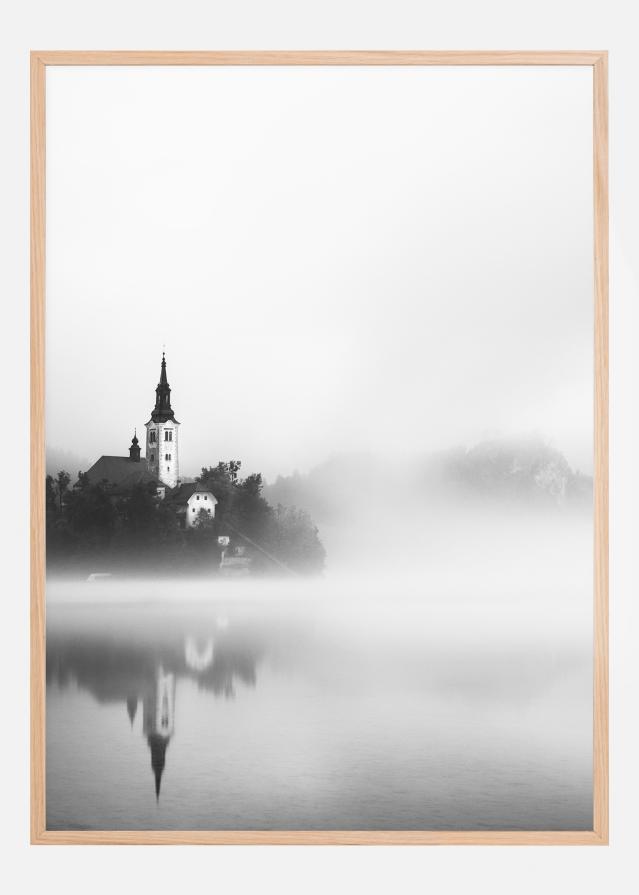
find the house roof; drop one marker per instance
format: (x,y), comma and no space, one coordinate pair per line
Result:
(182,493)
(121,473)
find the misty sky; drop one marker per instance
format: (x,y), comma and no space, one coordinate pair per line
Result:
(337,259)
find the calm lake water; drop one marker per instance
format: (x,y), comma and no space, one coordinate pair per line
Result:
(219,707)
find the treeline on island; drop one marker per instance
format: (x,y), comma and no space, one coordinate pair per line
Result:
(92,528)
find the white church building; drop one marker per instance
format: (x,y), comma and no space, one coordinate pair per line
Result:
(160,466)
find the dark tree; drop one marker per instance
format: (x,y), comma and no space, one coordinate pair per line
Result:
(285,537)
(91,514)
(51,501)
(298,543)
(62,484)
(138,531)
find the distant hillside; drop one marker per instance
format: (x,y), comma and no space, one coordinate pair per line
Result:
(516,469)
(342,485)
(58,459)
(520,471)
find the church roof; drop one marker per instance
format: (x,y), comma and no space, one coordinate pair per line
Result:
(120,472)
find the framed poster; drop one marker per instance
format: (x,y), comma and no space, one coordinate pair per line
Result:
(319,449)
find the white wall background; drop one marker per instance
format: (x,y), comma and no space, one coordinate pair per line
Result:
(347,24)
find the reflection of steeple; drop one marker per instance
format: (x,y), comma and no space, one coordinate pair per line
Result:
(218,655)
(158,717)
(131,708)
(158,745)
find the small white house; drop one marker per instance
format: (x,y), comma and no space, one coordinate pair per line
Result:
(190,500)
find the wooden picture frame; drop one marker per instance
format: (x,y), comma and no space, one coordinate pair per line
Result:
(597,61)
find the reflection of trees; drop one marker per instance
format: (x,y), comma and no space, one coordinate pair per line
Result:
(121,669)
(114,670)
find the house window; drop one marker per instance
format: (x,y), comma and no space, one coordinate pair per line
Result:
(192,509)
(168,434)
(209,512)
(197,497)
(152,457)
(205,497)
(167,457)
(152,436)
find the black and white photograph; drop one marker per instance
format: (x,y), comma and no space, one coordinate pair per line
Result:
(319,448)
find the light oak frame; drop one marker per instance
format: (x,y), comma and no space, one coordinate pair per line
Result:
(598,61)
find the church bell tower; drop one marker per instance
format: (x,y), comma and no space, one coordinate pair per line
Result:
(162,452)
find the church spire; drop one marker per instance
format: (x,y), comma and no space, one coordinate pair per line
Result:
(162,455)
(134,449)
(162,410)
(163,380)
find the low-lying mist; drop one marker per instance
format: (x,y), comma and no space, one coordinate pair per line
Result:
(502,519)
(501,515)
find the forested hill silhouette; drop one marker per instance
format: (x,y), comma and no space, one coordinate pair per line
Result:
(520,471)
(131,529)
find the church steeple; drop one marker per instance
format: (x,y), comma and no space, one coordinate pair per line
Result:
(134,450)
(162,453)
(162,410)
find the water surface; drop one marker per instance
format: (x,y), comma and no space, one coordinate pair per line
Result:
(199,707)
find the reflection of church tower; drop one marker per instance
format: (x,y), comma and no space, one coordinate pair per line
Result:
(158,720)
(162,435)
(132,707)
